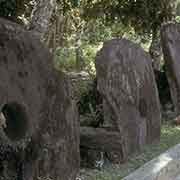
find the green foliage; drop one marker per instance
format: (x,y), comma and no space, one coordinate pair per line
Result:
(11,9)
(7,8)
(178,19)
(66,58)
(143,15)
(88,101)
(68,5)
(90,106)
(89,54)
(89,33)
(75,3)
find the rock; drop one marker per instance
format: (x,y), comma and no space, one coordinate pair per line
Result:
(41,136)
(170,35)
(127,85)
(100,140)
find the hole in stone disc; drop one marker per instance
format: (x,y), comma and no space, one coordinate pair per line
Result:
(15,123)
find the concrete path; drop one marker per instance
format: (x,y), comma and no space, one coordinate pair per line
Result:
(164,167)
(177,178)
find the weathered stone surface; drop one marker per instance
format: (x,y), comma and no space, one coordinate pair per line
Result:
(39,138)
(101,140)
(127,84)
(170,37)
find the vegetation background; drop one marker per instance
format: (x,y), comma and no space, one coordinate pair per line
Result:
(74,30)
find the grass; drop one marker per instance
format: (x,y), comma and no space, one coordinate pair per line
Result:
(170,136)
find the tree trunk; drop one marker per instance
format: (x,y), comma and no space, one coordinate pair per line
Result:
(41,16)
(79,59)
(155,50)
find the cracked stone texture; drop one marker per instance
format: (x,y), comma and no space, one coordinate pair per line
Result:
(127,83)
(41,136)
